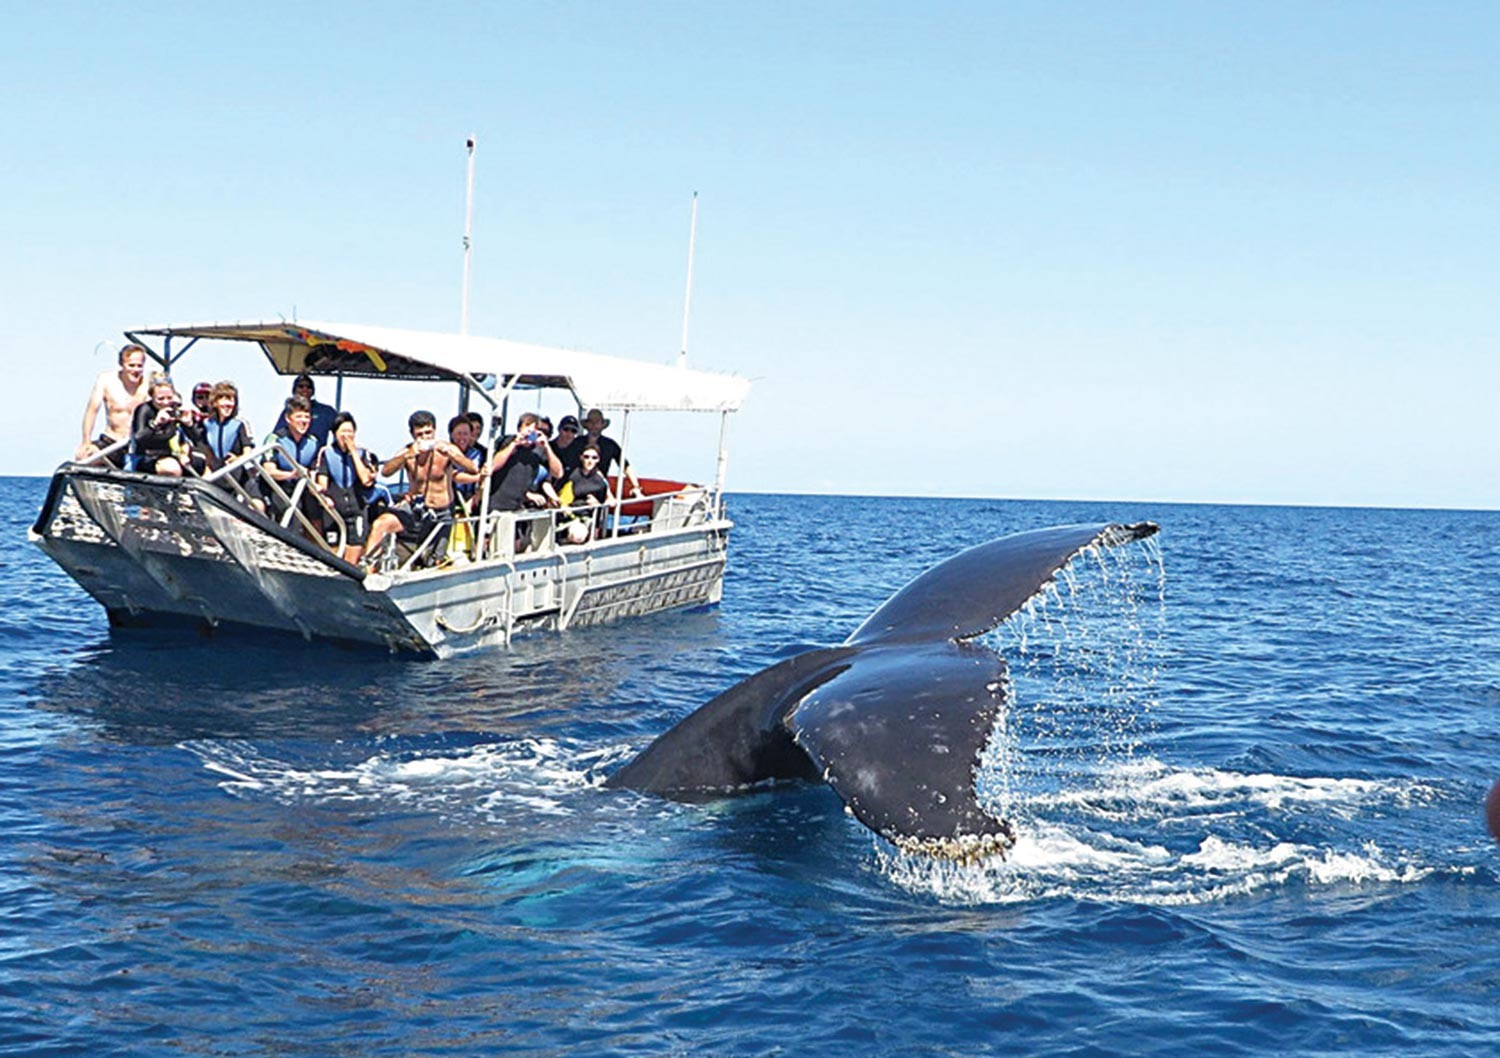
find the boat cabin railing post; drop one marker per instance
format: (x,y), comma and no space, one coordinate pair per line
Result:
(619,497)
(482,537)
(722,466)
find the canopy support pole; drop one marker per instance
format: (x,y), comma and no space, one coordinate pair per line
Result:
(722,466)
(620,490)
(481,538)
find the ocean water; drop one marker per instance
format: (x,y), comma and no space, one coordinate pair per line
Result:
(1247,765)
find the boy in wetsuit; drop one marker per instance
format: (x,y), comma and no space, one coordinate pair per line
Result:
(295,455)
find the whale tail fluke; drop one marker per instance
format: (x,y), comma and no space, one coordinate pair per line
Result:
(899,733)
(972,592)
(896,719)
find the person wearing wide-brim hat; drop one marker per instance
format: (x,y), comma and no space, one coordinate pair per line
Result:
(594,424)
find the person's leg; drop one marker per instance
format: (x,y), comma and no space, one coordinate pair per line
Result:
(385,525)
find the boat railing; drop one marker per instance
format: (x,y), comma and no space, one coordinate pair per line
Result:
(103,454)
(243,462)
(499,535)
(251,462)
(496,536)
(304,486)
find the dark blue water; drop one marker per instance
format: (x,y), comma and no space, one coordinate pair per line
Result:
(1247,770)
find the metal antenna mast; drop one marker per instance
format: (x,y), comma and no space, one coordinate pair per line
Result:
(687,301)
(463,325)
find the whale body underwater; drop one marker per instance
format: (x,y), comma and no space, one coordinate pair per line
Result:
(895,718)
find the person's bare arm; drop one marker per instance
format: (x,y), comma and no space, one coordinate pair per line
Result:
(456,456)
(501,455)
(391,465)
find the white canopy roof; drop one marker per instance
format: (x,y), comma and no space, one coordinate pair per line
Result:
(358,350)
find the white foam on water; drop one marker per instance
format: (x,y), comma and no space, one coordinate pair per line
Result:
(1198,849)
(534,775)
(1144,787)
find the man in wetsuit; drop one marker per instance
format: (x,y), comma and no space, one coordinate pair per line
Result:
(295,455)
(119,392)
(429,465)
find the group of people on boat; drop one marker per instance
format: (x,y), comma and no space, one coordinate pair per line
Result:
(439,483)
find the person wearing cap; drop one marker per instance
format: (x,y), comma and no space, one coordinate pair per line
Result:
(564,445)
(609,449)
(201,411)
(322,414)
(200,399)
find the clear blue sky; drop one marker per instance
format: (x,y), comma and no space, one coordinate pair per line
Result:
(1139,252)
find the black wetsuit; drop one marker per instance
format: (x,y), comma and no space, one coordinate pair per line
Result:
(515,477)
(586,485)
(151,443)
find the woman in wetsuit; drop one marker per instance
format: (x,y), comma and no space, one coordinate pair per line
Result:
(346,474)
(224,438)
(156,437)
(585,492)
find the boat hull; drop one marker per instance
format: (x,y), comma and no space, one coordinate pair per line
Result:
(157,551)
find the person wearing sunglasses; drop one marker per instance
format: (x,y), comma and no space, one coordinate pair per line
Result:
(583,496)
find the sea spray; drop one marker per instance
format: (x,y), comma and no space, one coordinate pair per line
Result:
(1083,661)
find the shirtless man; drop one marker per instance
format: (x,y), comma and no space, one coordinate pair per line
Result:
(120,392)
(429,465)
